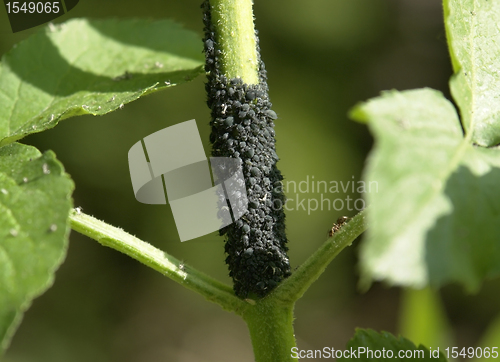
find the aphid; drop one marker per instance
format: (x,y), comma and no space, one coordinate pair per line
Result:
(341,221)
(241,122)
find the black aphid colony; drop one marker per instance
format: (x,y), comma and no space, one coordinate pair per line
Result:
(243,128)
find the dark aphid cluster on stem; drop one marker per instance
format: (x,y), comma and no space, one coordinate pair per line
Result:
(243,128)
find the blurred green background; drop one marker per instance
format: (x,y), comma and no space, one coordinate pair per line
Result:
(322,57)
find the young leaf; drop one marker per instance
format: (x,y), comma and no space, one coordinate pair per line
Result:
(434,218)
(474,41)
(369,345)
(35,200)
(90,67)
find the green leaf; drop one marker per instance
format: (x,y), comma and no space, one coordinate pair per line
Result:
(435,213)
(91,67)
(35,200)
(381,346)
(474,41)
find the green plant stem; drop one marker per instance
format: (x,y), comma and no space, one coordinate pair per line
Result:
(295,286)
(158,260)
(422,318)
(235,34)
(270,323)
(270,320)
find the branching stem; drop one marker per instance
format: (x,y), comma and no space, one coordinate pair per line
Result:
(270,319)
(158,260)
(292,288)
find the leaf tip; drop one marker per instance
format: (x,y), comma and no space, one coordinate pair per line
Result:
(358,114)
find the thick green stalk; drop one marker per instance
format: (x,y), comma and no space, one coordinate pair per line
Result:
(270,323)
(231,52)
(243,129)
(233,23)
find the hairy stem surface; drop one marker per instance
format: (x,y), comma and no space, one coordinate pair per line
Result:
(158,260)
(233,24)
(270,323)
